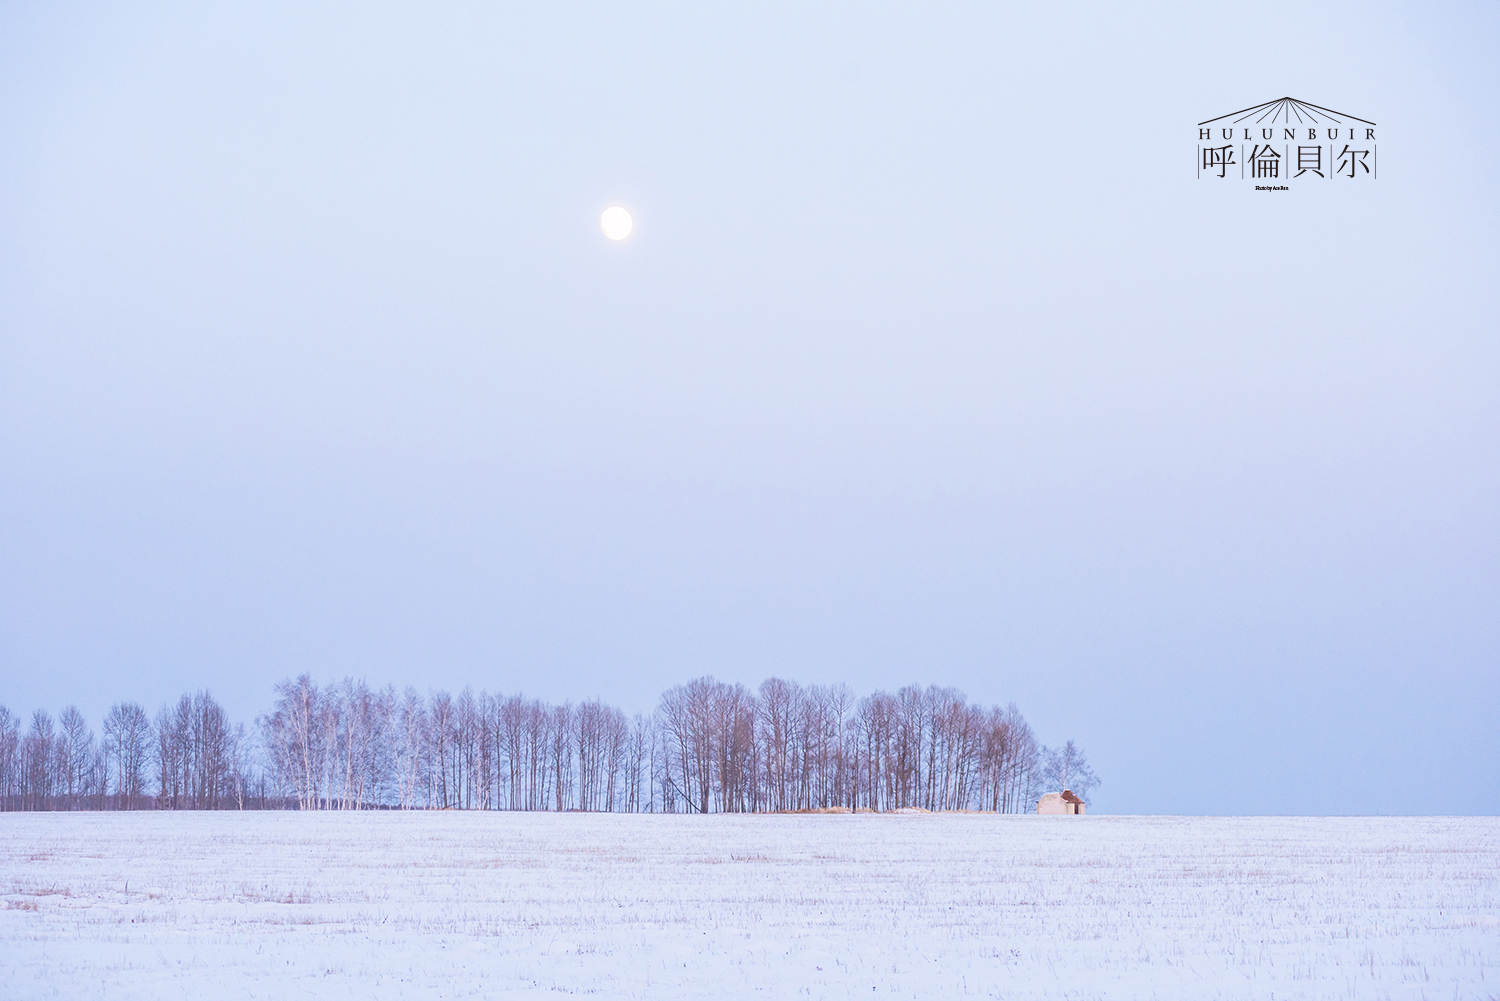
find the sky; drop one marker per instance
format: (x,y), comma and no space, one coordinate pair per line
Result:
(930,359)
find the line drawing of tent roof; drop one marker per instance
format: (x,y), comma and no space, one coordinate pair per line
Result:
(1287,110)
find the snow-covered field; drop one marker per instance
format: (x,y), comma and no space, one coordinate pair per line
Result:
(452,905)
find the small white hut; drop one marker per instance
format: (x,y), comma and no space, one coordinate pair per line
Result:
(1060,802)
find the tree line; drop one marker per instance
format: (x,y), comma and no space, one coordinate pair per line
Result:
(187,757)
(710,746)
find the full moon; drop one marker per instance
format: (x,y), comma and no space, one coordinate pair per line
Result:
(616,223)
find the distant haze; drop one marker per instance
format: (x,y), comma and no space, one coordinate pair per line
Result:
(928,360)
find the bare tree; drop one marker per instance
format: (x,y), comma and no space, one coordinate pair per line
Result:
(1067,767)
(616,745)
(10,760)
(127,747)
(409,746)
(489,748)
(37,765)
(75,751)
(295,739)
(560,751)
(780,709)
(687,713)
(588,735)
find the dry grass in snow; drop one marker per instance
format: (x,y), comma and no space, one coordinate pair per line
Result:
(458,905)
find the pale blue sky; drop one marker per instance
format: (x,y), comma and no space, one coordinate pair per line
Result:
(930,359)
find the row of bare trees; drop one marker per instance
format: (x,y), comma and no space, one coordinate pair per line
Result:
(189,757)
(346,746)
(786,747)
(710,746)
(48,764)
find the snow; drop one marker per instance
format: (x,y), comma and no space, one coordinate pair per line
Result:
(456,905)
